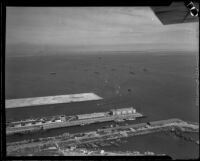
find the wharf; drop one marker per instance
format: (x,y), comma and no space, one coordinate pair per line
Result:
(35,101)
(67,121)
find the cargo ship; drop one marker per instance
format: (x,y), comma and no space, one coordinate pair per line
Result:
(45,123)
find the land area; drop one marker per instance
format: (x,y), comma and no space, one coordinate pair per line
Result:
(66,143)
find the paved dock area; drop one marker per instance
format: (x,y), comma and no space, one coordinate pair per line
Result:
(35,101)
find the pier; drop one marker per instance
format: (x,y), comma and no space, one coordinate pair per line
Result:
(36,101)
(46,123)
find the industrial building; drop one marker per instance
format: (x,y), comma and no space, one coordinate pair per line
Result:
(123,111)
(89,116)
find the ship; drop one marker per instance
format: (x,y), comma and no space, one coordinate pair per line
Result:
(60,121)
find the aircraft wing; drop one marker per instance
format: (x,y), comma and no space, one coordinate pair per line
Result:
(175,13)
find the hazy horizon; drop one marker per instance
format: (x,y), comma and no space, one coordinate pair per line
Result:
(86,29)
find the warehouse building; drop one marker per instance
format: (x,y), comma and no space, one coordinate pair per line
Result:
(90,116)
(123,111)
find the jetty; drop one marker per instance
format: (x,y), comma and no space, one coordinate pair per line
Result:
(46,123)
(36,101)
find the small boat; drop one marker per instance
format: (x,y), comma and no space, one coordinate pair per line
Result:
(53,73)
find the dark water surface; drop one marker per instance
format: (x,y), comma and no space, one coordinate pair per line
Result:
(159,86)
(159,143)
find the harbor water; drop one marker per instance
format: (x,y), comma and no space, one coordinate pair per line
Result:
(160,86)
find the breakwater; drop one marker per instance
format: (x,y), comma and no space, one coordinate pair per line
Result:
(93,138)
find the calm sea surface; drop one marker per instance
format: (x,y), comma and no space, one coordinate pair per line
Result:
(159,86)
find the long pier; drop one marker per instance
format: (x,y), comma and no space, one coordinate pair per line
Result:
(28,126)
(46,100)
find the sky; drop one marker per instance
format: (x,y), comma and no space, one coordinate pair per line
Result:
(96,28)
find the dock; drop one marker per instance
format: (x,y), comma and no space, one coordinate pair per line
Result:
(46,123)
(36,101)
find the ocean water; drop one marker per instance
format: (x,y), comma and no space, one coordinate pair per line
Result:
(161,86)
(159,143)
